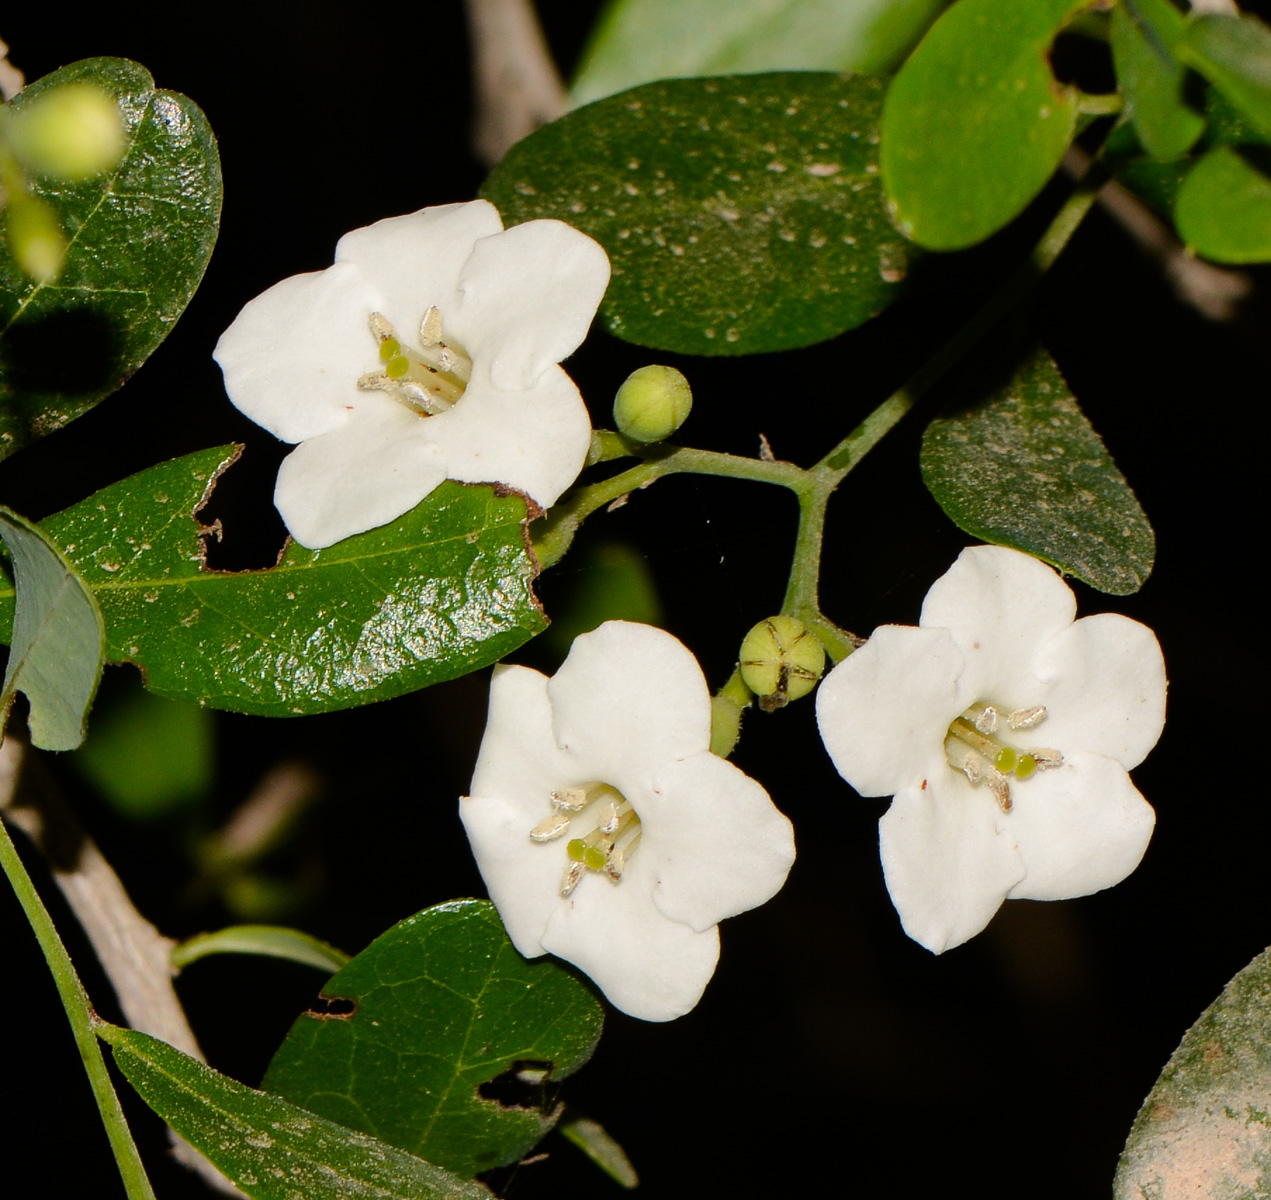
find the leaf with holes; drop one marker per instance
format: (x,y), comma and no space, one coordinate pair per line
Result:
(975,122)
(271,1149)
(638,41)
(443,590)
(440,1039)
(1024,468)
(140,238)
(1205,1128)
(58,641)
(741,213)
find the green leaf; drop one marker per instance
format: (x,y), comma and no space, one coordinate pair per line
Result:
(975,122)
(430,1012)
(1024,468)
(1223,208)
(148,757)
(1144,36)
(1234,54)
(638,41)
(141,236)
(1205,1128)
(269,1148)
(741,213)
(609,581)
(272,941)
(598,1145)
(58,641)
(441,591)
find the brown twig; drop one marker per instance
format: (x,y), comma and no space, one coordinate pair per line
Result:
(517,85)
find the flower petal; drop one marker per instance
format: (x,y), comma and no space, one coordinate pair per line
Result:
(416,260)
(884,710)
(715,839)
(376,466)
(647,965)
(947,864)
(1106,688)
(518,767)
(1080,828)
(534,440)
(293,356)
(628,700)
(1000,606)
(528,296)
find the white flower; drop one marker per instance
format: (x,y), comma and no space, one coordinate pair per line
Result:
(427,352)
(1004,730)
(608,760)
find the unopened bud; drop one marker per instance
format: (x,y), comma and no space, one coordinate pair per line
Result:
(781,660)
(652,404)
(35,238)
(69,132)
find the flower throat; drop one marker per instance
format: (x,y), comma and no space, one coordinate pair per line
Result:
(975,746)
(428,379)
(611,831)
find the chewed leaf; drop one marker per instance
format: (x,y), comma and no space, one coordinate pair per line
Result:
(741,214)
(441,591)
(58,641)
(1023,467)
(442,1040)
(975,122)
(1205,1129)
(271,1149)
(140,235)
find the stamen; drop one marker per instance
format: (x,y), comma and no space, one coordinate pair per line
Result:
(986,722)
(1002,790)
(430,327)
(427,380)
(1027,718)
(1046,758)
(569,881)
(549,828)
(570,799)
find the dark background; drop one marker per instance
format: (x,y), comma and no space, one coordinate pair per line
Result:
(830,1051)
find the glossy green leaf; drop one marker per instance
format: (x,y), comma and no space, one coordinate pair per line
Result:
(638,41)
(741,213)
(269,1148)
(424,1019)
(147,756)
(1022,467)
(1233,53)
(58,641)
(1205,1128)
(1223,208)
(441,591)
(271,941)
(1144,36)
(141,236)
(975,123)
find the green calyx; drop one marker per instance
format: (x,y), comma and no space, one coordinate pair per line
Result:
(652,404)
(781,660)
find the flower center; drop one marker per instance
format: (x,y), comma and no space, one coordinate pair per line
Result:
(606,831)
(976,746)
(427,378)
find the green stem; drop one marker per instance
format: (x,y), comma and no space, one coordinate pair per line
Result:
(82,1019)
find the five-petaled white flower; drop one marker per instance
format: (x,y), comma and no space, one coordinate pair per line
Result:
(429,351)
(606,831)
(1004,730)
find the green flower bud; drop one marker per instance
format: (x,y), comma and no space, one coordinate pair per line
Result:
(35,238)
(781,660)
(652,404)
(70,133)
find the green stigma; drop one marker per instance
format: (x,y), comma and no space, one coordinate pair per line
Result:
(397,367)
(1025,767)
(594,858)
(389,347)
(577,850)
(1006,760)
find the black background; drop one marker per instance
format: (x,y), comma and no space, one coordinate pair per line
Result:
(830,1051)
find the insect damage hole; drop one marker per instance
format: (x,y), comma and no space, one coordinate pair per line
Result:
(527,1083)
(332,1008)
